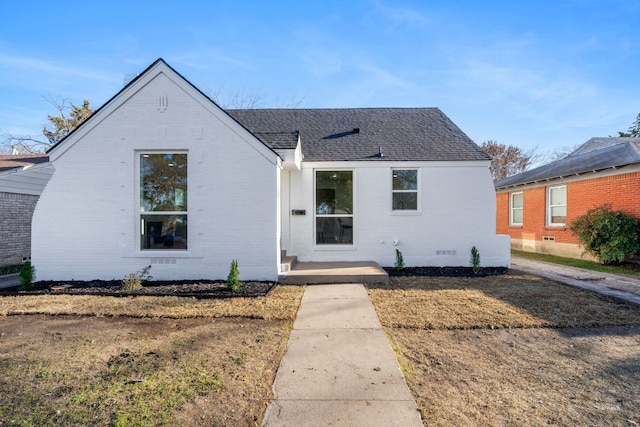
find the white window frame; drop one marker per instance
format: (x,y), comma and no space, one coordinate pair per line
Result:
(140,212)
(513,208)
(417,191)
(550,206)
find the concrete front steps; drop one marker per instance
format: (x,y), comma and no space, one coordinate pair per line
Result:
(294,272)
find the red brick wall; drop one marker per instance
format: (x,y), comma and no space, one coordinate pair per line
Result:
(622,191)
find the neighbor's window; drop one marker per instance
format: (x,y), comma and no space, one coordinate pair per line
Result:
(516,208)
(557,205)
(163,201)
(404,189)
(334,207)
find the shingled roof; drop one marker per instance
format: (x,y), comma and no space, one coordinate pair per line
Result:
(14,161)
(594,155)
(363,133)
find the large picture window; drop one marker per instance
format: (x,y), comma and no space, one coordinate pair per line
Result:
(517,205)
(334,207)
(404,189)
(557,205)
(163,201)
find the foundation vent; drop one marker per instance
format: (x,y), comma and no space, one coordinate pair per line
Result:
(548,238)
(446,252)
(163,261)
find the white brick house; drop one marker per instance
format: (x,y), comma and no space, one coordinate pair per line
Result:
(161,175)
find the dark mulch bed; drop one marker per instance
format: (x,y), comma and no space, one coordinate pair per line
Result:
(445,271)
(216,289)
(184,288)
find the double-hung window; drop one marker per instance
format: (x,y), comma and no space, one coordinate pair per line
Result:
(163,201)
(557,205)
(404,189)
(517,205)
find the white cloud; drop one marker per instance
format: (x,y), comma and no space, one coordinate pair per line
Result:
(26,64)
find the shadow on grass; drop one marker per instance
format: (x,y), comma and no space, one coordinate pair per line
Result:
(511,300)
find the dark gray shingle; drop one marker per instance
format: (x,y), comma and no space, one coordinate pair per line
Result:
(594,155)
(400,133)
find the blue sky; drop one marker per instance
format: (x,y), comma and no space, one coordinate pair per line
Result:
(546,73)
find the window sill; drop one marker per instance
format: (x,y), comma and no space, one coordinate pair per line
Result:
(516,227)
(555,227)
(334,248)
(405,213)
(190,253)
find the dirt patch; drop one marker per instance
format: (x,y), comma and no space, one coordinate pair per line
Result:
(513,349)
(569,377)
(141,360)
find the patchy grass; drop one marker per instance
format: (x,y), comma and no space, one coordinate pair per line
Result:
(626,269)
(513,350)
(161,361)
(512,300)
(281,304)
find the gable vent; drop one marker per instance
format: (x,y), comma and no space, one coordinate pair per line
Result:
(163,103)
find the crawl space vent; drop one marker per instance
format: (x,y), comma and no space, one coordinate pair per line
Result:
(163,261)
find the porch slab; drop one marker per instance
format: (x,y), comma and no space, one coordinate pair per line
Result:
(306,273)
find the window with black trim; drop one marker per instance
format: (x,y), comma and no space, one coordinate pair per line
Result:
(404,189)
(334,207)
(163,201)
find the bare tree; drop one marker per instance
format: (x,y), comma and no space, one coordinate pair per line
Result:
(234,98)
(561,152)
(239,98)
(507,160)
(69,117)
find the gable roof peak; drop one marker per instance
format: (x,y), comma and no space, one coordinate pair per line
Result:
(599,143)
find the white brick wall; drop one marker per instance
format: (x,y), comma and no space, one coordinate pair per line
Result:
(85,224)
(457,211)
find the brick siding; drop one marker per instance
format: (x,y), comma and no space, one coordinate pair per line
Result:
(16,211)
(622,191)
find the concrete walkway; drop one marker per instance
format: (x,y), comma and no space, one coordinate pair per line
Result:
(611,285)
(339,368)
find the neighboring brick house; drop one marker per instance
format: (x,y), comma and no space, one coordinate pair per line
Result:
(536,207)
(22,178)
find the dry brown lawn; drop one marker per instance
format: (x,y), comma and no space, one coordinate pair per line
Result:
(513,350)
(141,361)
(496,351)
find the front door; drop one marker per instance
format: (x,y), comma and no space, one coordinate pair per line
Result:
(334,207)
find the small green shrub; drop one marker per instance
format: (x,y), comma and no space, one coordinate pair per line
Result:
(611,236)
(233,282)
(399,265)
(133,281)
(475,260)
(27,275)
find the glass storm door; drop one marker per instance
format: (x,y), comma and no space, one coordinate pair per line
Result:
(334,207)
